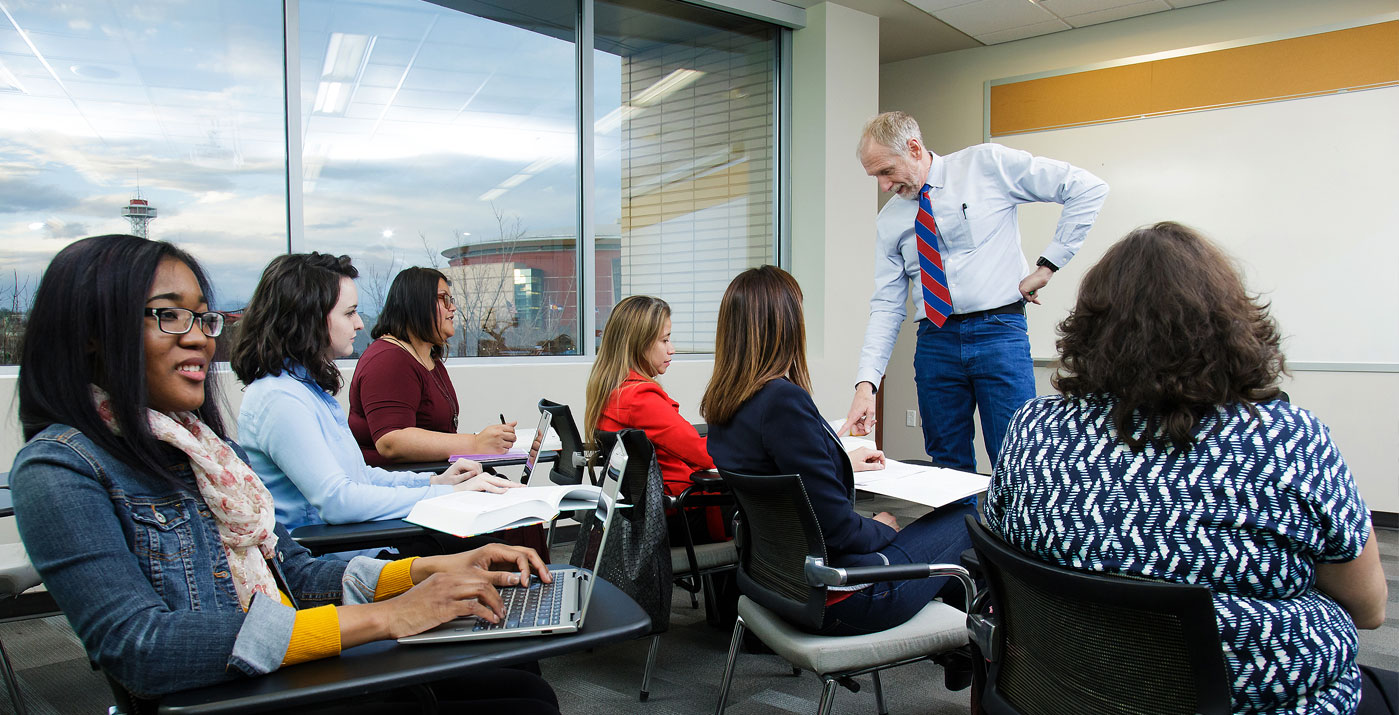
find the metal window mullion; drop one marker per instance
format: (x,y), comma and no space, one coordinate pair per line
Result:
(782,150)
(291,63)
(587,259)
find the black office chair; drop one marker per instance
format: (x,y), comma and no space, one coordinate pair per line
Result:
(783,576)
(689,565)
(574,454)
(1061,641)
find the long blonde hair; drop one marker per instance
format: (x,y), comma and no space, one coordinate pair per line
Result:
(634,326)
(761,336)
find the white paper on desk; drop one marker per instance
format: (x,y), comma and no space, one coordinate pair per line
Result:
(524,437)
(931,486)
(850,442)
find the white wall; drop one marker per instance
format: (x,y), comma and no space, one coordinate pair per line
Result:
(835,60)
(945,93)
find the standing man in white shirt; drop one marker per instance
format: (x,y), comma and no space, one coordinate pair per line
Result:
(951,233)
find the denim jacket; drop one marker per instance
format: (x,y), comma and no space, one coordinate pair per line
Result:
(137,567)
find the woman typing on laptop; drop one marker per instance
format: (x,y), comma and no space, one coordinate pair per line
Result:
(152,533)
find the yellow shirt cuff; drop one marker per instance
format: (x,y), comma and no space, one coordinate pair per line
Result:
(316,634)
(395,578)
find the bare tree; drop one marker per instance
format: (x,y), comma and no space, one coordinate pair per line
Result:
(13,317)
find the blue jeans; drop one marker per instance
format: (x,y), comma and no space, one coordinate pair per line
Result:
(936,537)
(977,363)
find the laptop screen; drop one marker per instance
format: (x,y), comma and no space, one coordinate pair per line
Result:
(593,531)
(541,433)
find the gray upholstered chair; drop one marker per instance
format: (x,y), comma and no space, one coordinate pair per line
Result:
(783,578)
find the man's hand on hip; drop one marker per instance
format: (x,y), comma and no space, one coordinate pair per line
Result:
(1030,286)
(860,420)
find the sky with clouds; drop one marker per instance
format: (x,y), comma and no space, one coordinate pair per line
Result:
(451,118)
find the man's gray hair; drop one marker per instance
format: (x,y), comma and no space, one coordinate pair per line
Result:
(892,130)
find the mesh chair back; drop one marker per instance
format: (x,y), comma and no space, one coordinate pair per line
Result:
(564,470)
(1073,642)
(777,531)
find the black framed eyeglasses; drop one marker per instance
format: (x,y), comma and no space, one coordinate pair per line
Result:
(178,321)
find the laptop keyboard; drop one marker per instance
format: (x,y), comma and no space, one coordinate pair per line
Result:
(538,604)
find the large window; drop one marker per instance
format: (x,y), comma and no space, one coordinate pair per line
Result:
(170,113)
(446,134)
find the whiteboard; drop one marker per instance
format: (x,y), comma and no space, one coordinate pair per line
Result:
(1302,193)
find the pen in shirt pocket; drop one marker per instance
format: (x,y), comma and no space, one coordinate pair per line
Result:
(964,210)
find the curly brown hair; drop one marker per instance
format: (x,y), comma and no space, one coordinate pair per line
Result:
(1164,325)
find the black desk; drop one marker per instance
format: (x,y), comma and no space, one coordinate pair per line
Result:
(375,667)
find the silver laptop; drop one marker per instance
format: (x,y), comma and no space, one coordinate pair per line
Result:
(541,435)
(540,608)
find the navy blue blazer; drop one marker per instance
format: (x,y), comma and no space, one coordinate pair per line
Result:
(779,431)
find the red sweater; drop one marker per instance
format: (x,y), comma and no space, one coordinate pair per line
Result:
(640,403)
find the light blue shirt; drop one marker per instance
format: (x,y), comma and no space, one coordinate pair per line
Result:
(299,441)
(975,193)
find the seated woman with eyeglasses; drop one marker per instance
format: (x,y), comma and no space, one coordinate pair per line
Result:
(304,313)
(763,421)
(153,534)
(403,407)
(1171,455)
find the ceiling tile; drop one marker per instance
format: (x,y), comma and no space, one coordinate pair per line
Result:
(932,6)
(1187,3)
(1020,33)
(1065,8)
(988,16)
(1117,13)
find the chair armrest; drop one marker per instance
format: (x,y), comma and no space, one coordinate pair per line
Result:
(708,480)
(819,574)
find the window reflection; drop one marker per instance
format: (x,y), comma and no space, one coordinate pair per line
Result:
(179,105)
(446,137)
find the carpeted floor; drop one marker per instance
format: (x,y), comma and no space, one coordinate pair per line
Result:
(55,678)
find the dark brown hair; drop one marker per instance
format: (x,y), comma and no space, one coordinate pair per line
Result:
(410,310)
(761,336)
(1164,325)
(285,320)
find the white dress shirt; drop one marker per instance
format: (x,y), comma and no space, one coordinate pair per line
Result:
(974,196)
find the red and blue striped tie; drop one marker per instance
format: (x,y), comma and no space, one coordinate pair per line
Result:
(937,302)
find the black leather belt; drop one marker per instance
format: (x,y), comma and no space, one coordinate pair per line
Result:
(1018,307)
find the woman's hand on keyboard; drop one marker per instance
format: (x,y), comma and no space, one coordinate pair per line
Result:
(499,564)
(439,598)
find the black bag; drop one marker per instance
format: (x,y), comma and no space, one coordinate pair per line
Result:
(637,556)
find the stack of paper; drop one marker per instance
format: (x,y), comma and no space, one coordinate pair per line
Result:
(933,486)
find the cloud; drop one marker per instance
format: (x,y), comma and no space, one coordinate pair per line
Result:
(58,228)
(21,195)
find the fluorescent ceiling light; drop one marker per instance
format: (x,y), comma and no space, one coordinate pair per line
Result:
(614,118)
(667,86)
(331,98)
(9,82)
(344,55)
(540,165)
(514,181)
(493,194)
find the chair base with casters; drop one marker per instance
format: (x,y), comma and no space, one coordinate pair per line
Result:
(936,629)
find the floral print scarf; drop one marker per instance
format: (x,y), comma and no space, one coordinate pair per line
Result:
(241,505)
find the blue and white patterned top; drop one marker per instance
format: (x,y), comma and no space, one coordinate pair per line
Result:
(1249,511)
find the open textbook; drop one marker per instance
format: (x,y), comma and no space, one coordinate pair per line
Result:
(472,513)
